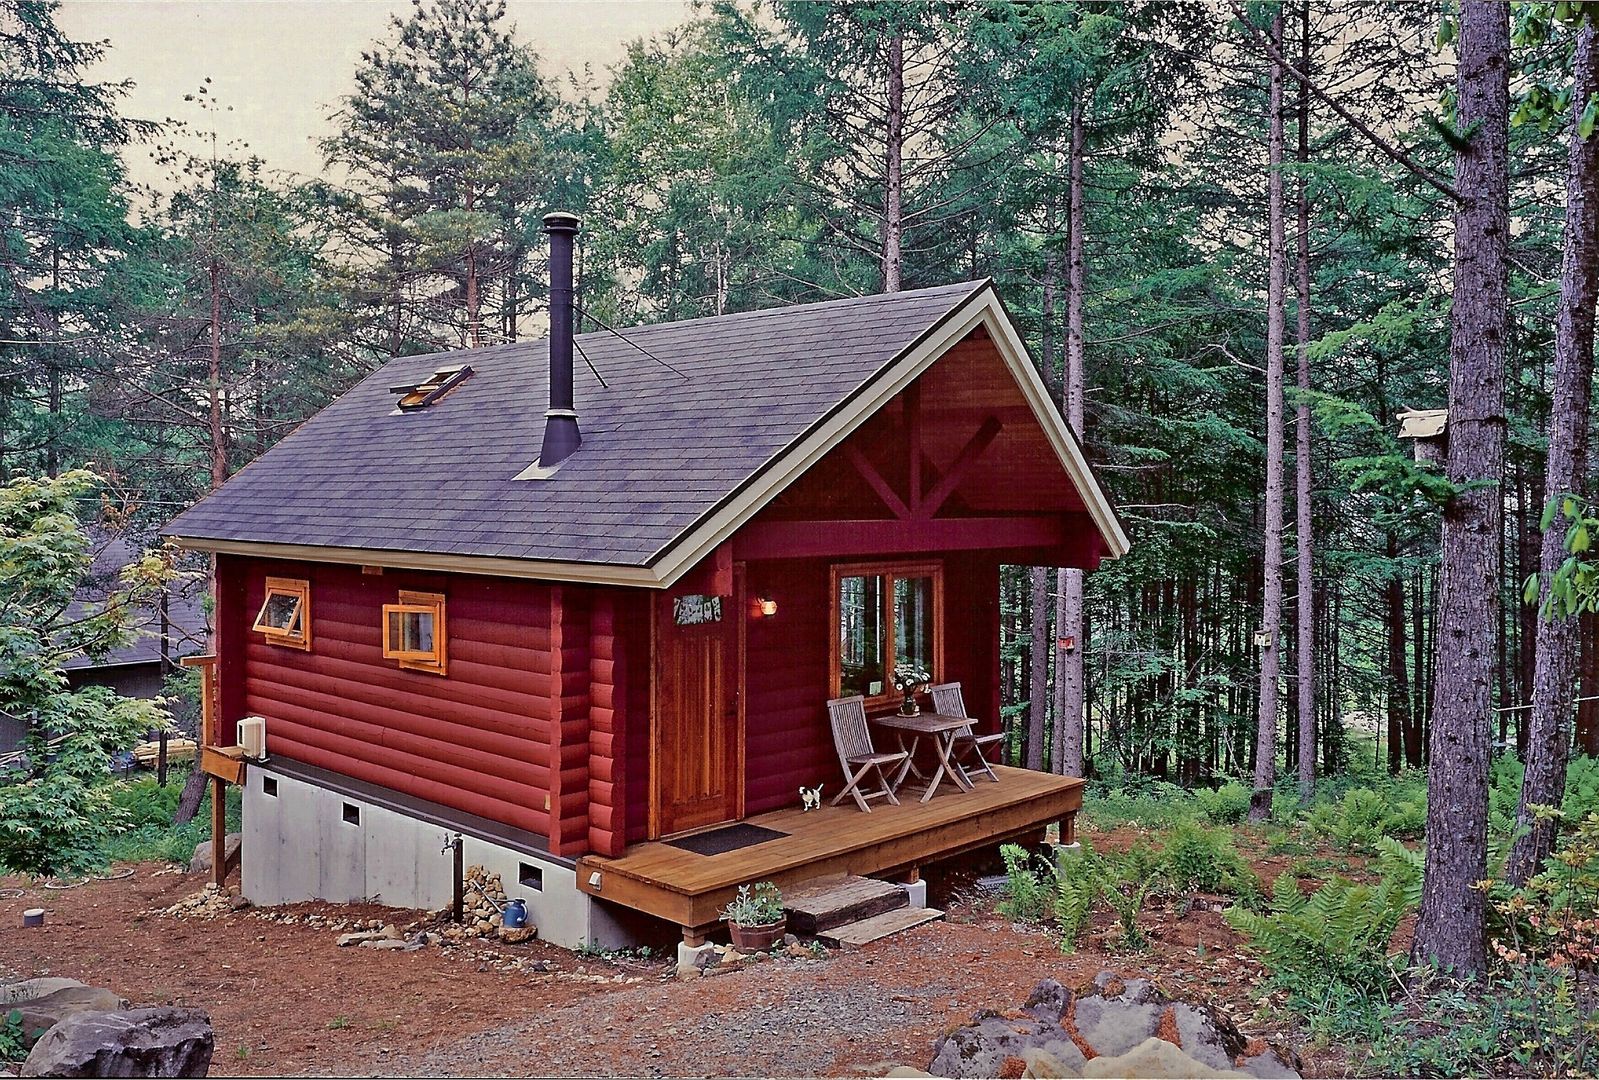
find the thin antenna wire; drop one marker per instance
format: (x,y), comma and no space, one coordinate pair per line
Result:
(590,363)
(636,345)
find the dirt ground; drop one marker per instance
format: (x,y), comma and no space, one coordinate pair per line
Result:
(285,999)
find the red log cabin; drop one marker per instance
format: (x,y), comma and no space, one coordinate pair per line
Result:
(573,640)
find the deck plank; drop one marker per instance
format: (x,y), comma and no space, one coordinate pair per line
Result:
(682,885)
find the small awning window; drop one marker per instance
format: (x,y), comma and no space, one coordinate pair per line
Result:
(421,395)
(413,632)
(285,615)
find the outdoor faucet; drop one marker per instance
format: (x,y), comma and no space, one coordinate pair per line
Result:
(453,843)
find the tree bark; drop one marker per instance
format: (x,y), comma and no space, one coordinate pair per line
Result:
(1037,667)
(1305,637)
(894,181)
(1070,719)
(1450,928)
(1558,640)
(1272,561)
(1399,706)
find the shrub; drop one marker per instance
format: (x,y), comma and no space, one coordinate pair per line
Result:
(13,1039)
(1027,896)
(1331,948)
(1079,877)
(1197,859)
(1226,805)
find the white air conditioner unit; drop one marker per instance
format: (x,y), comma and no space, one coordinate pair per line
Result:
(252,737)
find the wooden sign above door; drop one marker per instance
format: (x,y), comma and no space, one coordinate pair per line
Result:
(696,610)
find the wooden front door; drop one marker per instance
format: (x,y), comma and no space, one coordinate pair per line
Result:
(698,735)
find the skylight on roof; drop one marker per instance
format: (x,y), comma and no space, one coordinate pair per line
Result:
(421,395)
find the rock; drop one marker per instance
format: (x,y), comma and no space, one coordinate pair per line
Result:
(1059,1033)
(29,989)
(797,951)
(1272,1063)
(517,935)
(40,1014)
(359,937)
(385,943)
(391,931)
(201,862)
(1152,1059)
(139,1042)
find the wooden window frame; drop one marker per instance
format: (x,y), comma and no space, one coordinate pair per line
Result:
(890,571)
(418,603)
(298,588)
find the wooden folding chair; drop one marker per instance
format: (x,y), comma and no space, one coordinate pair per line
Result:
(969,746)
(858,757)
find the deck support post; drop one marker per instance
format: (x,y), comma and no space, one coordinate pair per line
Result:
(694,936)
(219,832)
(1068,830)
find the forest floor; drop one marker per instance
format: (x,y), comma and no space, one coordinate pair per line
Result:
(285,999)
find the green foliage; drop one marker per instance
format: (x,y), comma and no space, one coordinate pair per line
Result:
(1079,879)
(1197,859)
(1363,817)
(1331,948)
(1026,897)
(760,904)
(150,835)
(56,805)
(13,1039)
(1225,805)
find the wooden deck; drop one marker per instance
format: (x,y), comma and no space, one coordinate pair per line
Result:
(690,889)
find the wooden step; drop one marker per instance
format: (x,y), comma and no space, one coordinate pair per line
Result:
(822,904)
(866,931)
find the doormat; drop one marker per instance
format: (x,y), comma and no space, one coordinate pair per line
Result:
(728,838)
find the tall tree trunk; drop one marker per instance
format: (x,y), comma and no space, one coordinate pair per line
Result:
(1039,646)
(894,180)
(1037,668)
(1270,650)
(1399,719)
(52,450)
(1555,676)
(1305,601)
(1069,624)
(219,447)
(1450,928)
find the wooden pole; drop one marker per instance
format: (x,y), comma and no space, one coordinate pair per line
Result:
(219,832)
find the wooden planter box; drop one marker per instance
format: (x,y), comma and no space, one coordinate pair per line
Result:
(758,938)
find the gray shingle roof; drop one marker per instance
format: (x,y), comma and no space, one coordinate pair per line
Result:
(658,453)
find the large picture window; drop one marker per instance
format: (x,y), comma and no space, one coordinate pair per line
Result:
(884,616)
(414,632)
(285,615)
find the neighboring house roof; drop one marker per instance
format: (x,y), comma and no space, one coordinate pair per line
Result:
(670,464)
(186,621)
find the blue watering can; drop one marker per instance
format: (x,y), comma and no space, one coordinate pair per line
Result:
(514,915)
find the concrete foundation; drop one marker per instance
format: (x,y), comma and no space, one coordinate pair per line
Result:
(302,841)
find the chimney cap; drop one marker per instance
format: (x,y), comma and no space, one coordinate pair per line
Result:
(561,221)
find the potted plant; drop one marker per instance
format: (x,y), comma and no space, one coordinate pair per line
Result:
(756,918)
(908,680)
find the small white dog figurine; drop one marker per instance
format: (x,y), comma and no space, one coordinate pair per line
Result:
(811,797)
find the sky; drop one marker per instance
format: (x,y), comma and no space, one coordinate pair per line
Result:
(283,64)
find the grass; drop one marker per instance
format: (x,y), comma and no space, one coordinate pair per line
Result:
(151,836)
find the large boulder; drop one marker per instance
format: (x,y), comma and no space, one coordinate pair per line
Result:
(201,862)
(13,993)
(40,1014)
(136,1042)
(1109,1025)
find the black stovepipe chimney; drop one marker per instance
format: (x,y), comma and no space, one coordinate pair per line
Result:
(561,436)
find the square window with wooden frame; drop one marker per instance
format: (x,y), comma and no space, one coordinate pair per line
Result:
(885,616)
(414,632)
(285,615)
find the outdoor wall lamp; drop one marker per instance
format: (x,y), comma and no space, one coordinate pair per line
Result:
(768,608)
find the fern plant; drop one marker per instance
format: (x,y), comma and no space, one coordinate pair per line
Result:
(1079,879)
(1027,896)
(1333,943)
